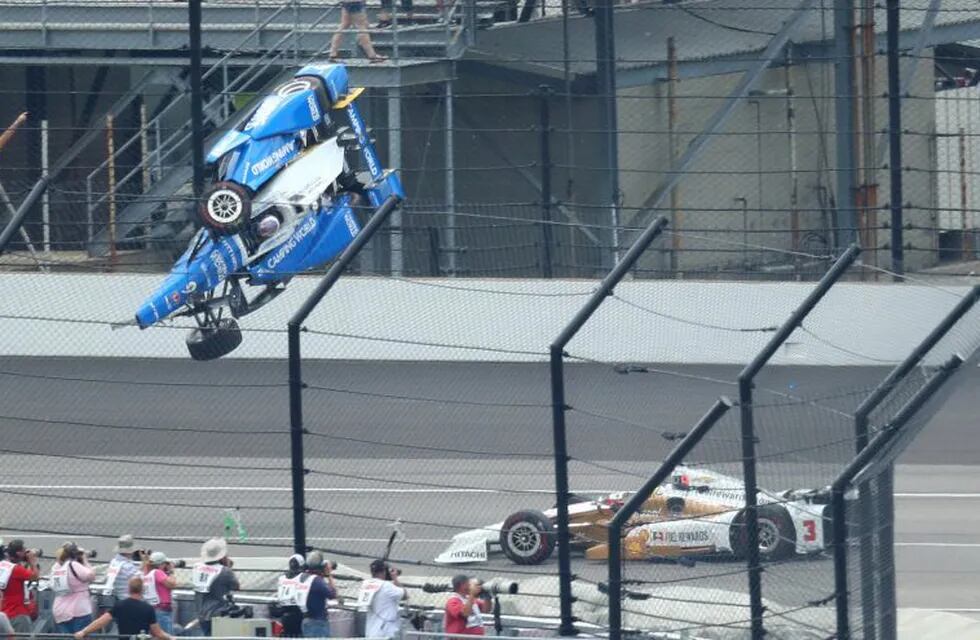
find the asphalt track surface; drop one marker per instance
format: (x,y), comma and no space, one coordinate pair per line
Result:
(465,444)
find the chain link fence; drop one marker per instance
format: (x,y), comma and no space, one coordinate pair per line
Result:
(427,407)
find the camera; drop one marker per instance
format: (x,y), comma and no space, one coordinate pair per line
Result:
(74,552)
(498,586)
(142,555)
(178,564)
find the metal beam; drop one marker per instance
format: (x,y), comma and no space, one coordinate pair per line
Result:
(605,69)
(845,91)
(721,116)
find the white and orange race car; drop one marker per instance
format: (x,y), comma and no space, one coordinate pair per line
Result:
(698,513)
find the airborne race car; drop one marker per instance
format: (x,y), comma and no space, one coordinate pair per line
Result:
(282,202)
(698,513)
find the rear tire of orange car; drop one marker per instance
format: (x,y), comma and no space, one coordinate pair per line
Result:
(226,207)
(527,537)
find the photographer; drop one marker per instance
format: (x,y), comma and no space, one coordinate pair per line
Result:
(213,581)
(70,577)
(132,616)
(158,581)
(291,615)
(312,595)
(465,607)
(121,569)
(15,572)
(379,597)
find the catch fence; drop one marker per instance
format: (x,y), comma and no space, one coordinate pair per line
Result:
(428,408)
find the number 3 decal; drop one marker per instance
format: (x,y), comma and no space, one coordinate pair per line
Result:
(809,530)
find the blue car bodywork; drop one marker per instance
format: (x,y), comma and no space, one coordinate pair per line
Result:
(274,150)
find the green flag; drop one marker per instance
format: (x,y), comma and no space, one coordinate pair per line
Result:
(233,525)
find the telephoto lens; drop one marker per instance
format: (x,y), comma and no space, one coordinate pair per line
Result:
(498,586)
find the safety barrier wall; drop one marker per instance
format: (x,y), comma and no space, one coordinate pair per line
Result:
(519,324)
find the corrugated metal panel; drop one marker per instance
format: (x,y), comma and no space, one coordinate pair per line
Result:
(958,157)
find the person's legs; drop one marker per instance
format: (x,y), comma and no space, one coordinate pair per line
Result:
(344,25)
(67,628)
(292,624)
(166,620)
(80,622)
(205,627)
(363,38)
(316,628)
(384,16)
(21,624)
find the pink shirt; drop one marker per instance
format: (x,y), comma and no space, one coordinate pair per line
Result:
(163,591)
(77,602)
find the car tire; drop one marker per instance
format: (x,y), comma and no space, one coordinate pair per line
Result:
(777,534)
(226,207)
(675,507)
(210,343)
(527,537)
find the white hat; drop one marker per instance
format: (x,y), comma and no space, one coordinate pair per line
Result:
(158,558)
(214,549)
(124,544)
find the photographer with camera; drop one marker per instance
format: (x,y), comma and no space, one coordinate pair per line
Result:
(213,581)
(132,616)
(119,572)
(158,581)
(312,595)
(16,571)
(466,606)
(379,597)
(290,615)
(70,577)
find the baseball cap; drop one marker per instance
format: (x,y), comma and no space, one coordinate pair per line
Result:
(158,557)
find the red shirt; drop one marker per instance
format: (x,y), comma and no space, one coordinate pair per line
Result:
(13,595)
(455,621)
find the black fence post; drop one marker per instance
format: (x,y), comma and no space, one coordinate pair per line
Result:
(866,509)
(197,98)
(884,561)
(295,326)
(635,503)
(895,140)
(860,461)
(558,408)
(544,93)
(745,385)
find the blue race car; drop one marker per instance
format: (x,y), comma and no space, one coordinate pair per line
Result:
(282,202)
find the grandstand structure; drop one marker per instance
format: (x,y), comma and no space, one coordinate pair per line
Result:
(626,90)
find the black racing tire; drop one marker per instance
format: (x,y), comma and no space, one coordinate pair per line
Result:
(777,534)
(675,507)
(226,207)
(527,537)
(210,343)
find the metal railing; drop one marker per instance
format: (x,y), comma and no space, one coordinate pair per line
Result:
(176,143)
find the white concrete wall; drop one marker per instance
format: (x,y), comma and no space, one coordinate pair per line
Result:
(494,320)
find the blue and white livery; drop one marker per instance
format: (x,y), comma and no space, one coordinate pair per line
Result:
(283,201)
